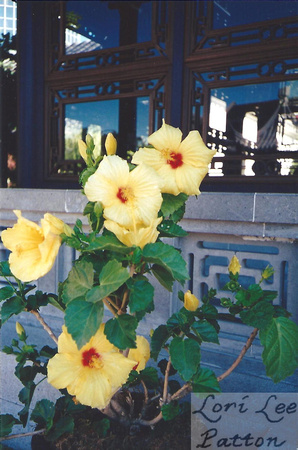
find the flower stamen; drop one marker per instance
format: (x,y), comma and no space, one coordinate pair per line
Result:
(125,194)
(90,358)
(175,160)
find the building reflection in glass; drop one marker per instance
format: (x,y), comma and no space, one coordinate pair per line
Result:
(254,138)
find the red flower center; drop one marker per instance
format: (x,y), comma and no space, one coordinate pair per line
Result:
(136,366)
(175,160)
(89,356)
(122,194)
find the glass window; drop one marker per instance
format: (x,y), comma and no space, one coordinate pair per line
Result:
(254,138)
(95,118)
(1,11)
(228,13)
(101,25)
(9,12)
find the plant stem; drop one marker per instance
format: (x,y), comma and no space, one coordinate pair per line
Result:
(14,436)
(149,423)
(109,306)
(112,303)
(242,353)
(165,386)
(45,325)
(182,392)
(145,392)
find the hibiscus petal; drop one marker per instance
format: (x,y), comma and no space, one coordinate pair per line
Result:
(63,371)
(94,389)
(149,156)
(165,138)
(194,151)
(189,179)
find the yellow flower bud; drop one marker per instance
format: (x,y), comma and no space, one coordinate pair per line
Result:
(191,303)
(19,329)
(267,272)
(111,144)
(90,141)
(234,265)
(82,149)
(151,332)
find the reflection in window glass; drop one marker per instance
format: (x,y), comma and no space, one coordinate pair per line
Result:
(142,121)
(95,118)
(247,132)
(228,13)
(99,25)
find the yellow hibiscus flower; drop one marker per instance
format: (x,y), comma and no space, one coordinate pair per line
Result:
(128,198)
(182,165)
(92,374)
(140,236)
(191,303)
(33,248)
(141,354)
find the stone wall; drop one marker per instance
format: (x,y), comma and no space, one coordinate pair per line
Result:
(258,228)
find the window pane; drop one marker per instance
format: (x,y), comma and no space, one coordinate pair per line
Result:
(254,129)
(228,13)
(142,121)
(9,12)
(100,25)
(95,118)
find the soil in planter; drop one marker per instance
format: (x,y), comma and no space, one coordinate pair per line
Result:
(174,435)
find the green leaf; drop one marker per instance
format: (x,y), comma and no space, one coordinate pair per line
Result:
(163,276)
(101,427)
(79,281)
(180,320)
(141,294)
(150,377)
(83,319)
(65,405)
(109,242)
(269,295)
(168,257)
(7,421)
(205,381)
(163,366)
(112,276)
(6,292)
(280,311)
(170,411)
(171,203)
(279,340)
(206,331)
(185,356)
(43,414)
(168,228)
(158,340)
(5,269)
(12,306)
(208,311)
(53,300)
(259,316)
(37,300)
(178,214)
(25,396)
(121,331)
(64,425)
(85,174)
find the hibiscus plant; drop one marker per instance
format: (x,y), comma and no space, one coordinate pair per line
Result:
(99,361)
